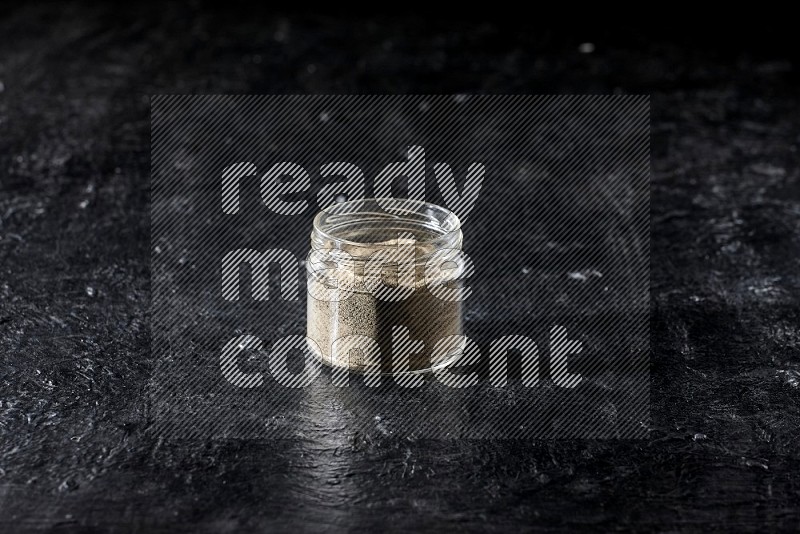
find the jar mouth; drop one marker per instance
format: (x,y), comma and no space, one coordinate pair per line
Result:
(362,226)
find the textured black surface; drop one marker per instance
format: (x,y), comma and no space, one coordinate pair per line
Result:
(74,163)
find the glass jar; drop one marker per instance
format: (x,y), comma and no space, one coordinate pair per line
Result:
(385,285)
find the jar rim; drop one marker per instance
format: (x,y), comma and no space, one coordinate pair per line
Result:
(438,227)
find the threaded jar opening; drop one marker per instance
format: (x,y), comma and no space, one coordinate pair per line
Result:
(360,227)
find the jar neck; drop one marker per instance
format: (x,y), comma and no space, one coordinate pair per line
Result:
(361,228)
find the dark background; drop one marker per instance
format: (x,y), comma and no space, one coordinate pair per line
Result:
(75,452)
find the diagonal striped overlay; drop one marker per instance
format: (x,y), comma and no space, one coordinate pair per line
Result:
(558,236)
